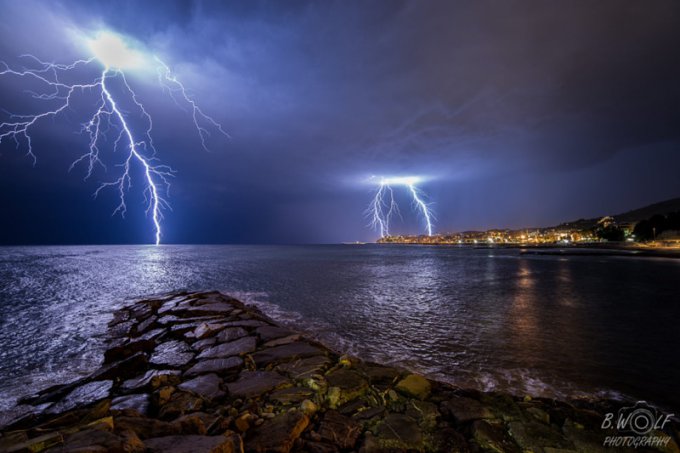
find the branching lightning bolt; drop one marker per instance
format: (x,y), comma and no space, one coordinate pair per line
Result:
(113,54)
(382,208)
(383,205)
(424,208)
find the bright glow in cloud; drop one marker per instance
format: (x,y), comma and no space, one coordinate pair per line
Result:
(110,49)
(401,181)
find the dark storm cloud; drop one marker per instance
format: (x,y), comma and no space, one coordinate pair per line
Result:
(512,106)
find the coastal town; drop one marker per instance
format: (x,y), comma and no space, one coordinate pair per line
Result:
(656,225)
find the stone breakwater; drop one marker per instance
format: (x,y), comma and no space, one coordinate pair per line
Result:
(203,373)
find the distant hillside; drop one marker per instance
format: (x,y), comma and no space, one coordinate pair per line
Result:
(635,215)
(648,211)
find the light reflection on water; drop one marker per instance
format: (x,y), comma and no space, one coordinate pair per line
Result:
(490,319)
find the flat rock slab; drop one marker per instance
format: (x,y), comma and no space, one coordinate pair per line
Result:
(152,379)
(207,386)
(123,369)
(254,383)
(172,354)
(303,368)
(231,334)
(83,395)
(399,431)
(233,348)
(278,434)
(194,444)
(345,385)
(145,427)
(267,333)
(339,430)
(246,323)
(292,395)
(465,409)
(206,330)
(137,402)
(283,340)
(414,385)
(202,344)
(285,353)
(125,350)
(228,365)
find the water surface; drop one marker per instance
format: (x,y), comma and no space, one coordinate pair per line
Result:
(489,319)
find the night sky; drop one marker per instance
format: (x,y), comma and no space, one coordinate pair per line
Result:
(523,113)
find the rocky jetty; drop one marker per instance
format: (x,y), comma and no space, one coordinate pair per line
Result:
(203,373)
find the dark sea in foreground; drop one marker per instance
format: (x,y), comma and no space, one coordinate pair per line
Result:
(490,319)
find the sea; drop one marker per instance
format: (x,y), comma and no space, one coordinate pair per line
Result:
(492,319)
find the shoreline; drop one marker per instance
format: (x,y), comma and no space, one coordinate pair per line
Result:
(597,249)
(204,372)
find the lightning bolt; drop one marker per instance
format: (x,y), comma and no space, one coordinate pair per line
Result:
(383,205)
(113,54)
(424,208)
(382,208)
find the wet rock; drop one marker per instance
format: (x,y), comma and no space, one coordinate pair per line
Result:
(92,440)
(119,317)
(399,432)
(206,386)
(344,385)
(123,369)
(242,423)
(172,354)
(122,329)
(152,379)
(125,350)
(255,383)
(81,396)
(284,340)
(206,330)
(136,402)
(369,413)
(308,407)
(583,440)
(145,427)
(217,308)
(320,447)
(414,385)
(246,323)
(202,344)
(353,406)
(303,368)
(144,325)
(180,403)
(155,334)
(493,438)
(229,443)
(20,413)
(339,430)
(539,414)
(228,365)
(535,436)
(267,333)
(231,334)
(380,375)
(38,443)
(285,353)
(465,409)
(277,435)
(191,424)
(233,348)
(424,411)
(291,395)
